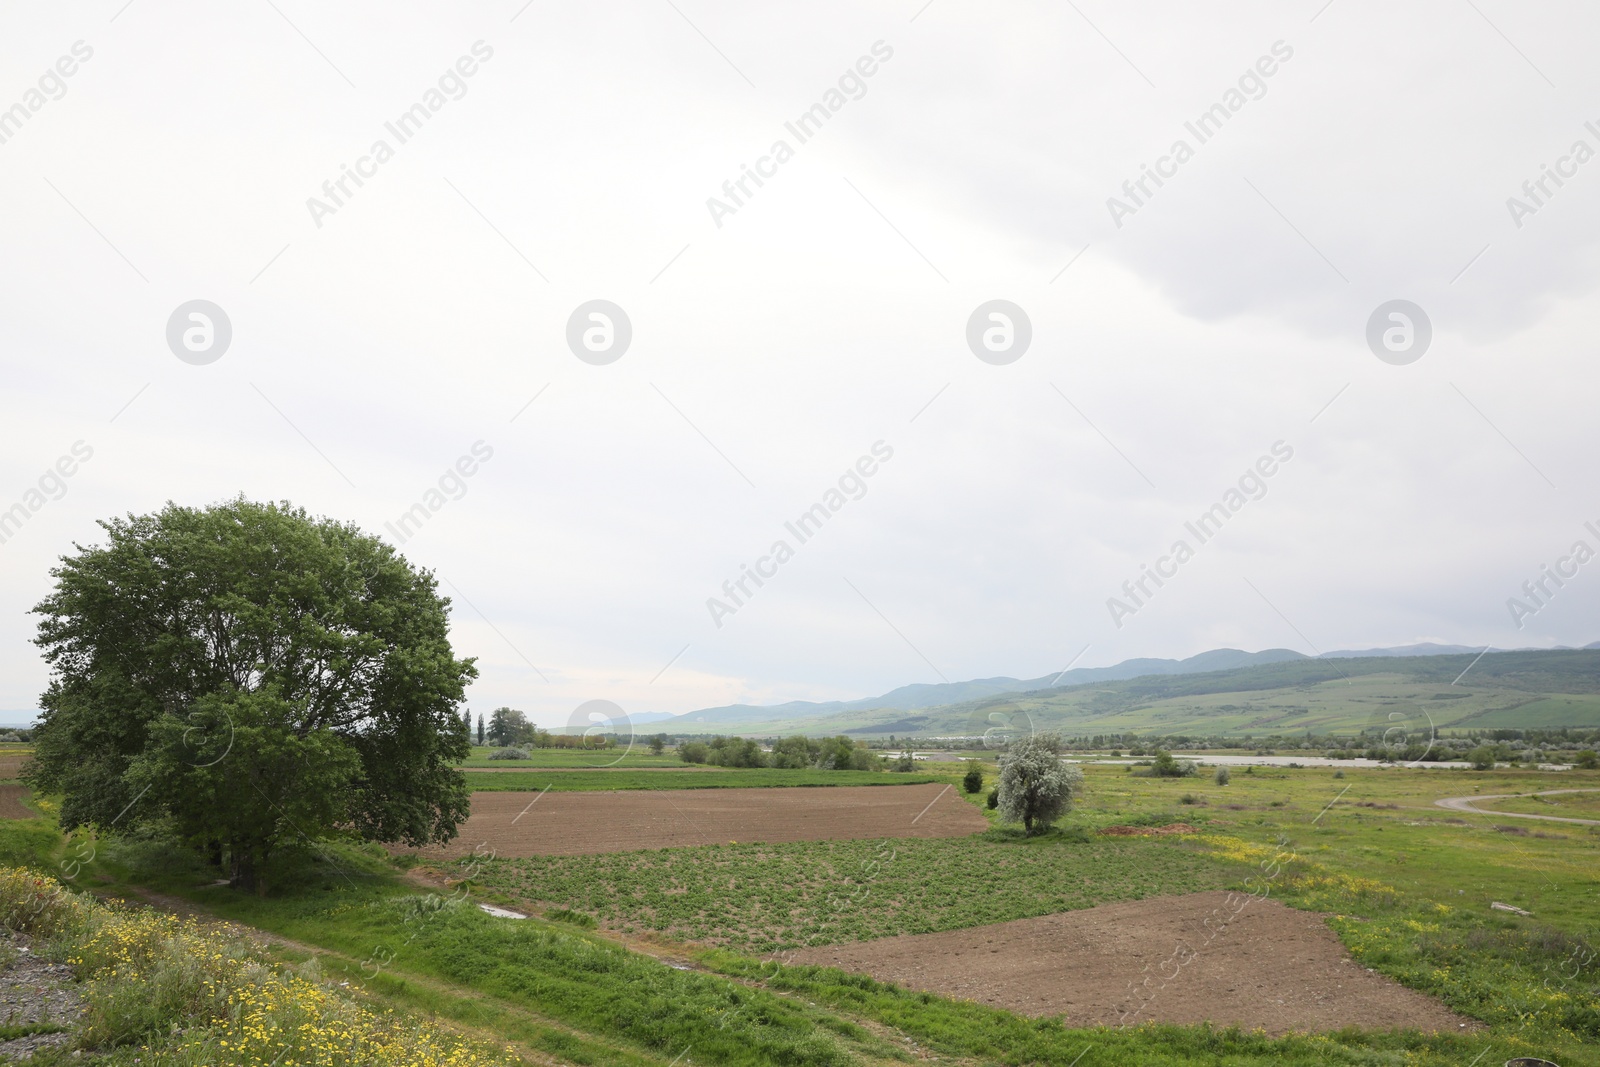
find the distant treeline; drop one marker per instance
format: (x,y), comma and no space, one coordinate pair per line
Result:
(793,753)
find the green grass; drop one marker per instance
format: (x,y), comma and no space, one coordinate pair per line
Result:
(1409,885)
(622,756)
(1564,805)
(1545,712)
(589,781)
(764,898)
(554,987)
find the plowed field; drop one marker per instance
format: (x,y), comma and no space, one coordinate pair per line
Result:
(573,824)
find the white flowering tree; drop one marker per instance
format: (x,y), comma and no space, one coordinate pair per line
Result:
(1036,788)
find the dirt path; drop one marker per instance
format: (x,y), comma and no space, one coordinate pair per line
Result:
(513,824)
(1467,804)
(1267,966)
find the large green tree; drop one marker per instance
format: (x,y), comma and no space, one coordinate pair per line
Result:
(246,675)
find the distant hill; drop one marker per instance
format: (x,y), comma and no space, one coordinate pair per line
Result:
(1224,690)
(925,695)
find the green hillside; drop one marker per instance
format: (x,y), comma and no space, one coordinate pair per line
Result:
(1331,696)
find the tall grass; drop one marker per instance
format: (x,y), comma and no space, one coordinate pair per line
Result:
(189,995)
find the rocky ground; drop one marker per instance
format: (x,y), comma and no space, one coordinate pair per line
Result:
(39,1001)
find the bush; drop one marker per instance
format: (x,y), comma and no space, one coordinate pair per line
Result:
(694,752)
(1189,798)
(34,903)
(735,752)
(1164,766)
(1481,758)
(1221,776)
(1339,773)
(903,763)
(510,753)
(972,781)
(1588,760)
(994,799)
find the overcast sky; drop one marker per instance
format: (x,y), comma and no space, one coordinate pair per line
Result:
(380,332)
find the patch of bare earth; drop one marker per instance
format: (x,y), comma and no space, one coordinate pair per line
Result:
(11,805)
(1270,966)
(584,823)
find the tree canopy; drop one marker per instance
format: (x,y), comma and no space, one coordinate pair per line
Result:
(1035,787)
(245,674)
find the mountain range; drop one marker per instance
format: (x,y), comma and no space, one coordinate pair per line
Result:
(847,716)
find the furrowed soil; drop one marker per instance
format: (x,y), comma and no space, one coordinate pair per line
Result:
(1270,966)
(586,823)
(11,805)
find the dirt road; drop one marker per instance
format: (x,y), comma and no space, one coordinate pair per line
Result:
(1466,804)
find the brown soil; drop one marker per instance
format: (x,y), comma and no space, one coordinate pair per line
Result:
(11,766)
(1149,831)
(1268,966)
(11,805)
(581,823)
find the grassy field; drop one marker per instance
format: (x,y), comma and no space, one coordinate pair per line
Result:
(1567,806)
(1409,886)
(637,755)
(578,780)
(764,898)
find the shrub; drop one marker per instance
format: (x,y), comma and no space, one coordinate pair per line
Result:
(1188,798)
(994,799)
(694,752)
(972,781)
(510,753)
(1221,776)
(1588,760)
(1164,766)
(34,903)
(1339,773)
(903,763)
(1481,758)
(735,752)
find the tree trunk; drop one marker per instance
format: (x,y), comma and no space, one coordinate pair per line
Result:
(243,875)
(1027,824)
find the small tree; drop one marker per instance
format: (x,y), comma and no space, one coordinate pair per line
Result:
(1222,776)
(1588,760)
(1481,758)
(693,752)
(1035,786)
(657,743)
(972,781)
(480,729)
